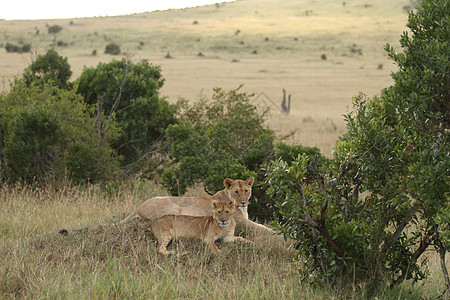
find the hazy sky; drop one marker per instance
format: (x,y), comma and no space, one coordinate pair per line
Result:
(52,9)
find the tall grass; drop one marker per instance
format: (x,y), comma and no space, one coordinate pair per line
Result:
(65,243)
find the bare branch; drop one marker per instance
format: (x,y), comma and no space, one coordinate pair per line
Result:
(116,103)
(99,119)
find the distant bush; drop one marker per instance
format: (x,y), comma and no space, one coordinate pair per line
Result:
(26,47)
(355,50)
(323,57)
(54,29)
(112,48)
(11,48)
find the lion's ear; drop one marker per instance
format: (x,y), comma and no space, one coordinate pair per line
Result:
(215,204)
(228,183)
(250,181)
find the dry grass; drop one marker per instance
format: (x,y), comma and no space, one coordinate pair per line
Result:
(66,244)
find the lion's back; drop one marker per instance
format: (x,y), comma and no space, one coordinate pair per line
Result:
(160,206)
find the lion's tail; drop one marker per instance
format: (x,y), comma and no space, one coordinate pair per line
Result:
(129,217)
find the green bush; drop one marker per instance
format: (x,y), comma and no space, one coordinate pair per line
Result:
(54,29)
(215,139)
(128,93)
(112,48)
(384,199)
(46,132)
(26,47)
(50,67)
(18,49)
(12,48)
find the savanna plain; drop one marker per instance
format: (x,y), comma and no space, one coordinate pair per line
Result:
(64,242)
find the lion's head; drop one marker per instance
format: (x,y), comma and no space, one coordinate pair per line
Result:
(239,190)
(223,212)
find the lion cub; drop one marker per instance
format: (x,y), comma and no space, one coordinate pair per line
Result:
(210,228)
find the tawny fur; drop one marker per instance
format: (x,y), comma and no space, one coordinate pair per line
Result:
(238,191)
(209,229)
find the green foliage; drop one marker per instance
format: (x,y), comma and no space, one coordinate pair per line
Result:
(385,198)
(47,133)
(128,93)
(15,48)
(54,29)
(50,67)
(288,153)
(215,140)
(112,48)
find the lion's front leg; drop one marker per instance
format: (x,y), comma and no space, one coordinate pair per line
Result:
(212,245)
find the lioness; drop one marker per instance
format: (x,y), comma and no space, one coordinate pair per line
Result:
(209,229)
(238,191)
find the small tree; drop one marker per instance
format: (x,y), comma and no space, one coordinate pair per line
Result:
(54,29)
(50,67)
(127,92)
(396,152)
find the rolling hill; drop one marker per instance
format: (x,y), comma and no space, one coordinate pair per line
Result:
(321,52)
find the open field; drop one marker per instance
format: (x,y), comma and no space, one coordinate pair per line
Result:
(266,45)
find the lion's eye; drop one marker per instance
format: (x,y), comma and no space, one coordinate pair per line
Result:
(227,212)
(246,191)
(219,212)
(237,192)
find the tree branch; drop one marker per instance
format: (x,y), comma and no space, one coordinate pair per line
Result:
(319,225)
(442,252)
(388,244)
(99,119)
(116,103)
(414,209)
(320,179)
(424,243)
